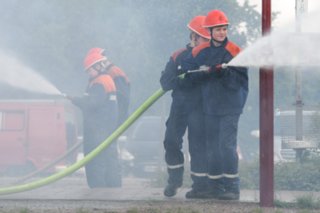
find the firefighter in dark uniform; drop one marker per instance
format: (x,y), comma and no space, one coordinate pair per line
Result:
(186,111)
(99,108)
(224,93)
(121,81)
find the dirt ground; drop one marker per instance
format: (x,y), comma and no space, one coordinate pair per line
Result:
(168,206)
(71,195)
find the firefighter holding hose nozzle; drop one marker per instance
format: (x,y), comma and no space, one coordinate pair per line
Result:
(100,117)
(186,111)
(224,93)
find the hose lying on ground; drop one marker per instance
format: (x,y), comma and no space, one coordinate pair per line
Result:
(49,165)
(74,167)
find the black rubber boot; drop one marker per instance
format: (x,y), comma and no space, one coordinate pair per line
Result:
(229,195)
(232,189)
(197,194)
(199,188)
(171,190)
(216,188)
(174,181)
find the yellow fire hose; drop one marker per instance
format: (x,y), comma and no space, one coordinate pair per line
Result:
(74,167)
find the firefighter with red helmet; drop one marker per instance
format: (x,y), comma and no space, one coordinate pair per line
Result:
(186,111)
(121,81)
(99,108)
(224,93)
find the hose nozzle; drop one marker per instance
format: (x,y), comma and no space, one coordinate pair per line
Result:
(224,66)
(201,69)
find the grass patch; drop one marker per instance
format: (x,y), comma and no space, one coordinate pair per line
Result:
(307,202)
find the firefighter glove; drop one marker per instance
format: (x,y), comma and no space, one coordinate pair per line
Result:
(216,68)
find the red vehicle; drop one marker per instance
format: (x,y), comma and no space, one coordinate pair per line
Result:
(34,133)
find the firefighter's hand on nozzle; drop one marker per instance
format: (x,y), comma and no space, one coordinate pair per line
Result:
(216,68)
(219,67)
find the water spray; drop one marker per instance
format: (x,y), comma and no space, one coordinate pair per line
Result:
(64,95)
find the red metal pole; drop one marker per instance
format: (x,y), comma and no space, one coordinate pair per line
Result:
(266,120)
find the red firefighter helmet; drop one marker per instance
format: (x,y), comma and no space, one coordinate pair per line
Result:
(96,50)
(93,58)
(196,25)
(215,18)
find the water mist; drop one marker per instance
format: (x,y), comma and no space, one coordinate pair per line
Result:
(18,75)
(282,48)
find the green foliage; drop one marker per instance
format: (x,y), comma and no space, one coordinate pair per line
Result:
(81,210)
(134,210)
(257,211)
(298,176)
(304,203)
(24,210)
(249,174)
(164,210)
(281,204)
(308,202)
(287,176)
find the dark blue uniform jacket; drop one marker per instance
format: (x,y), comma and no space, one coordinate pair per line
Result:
(225,91)
(185,93)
